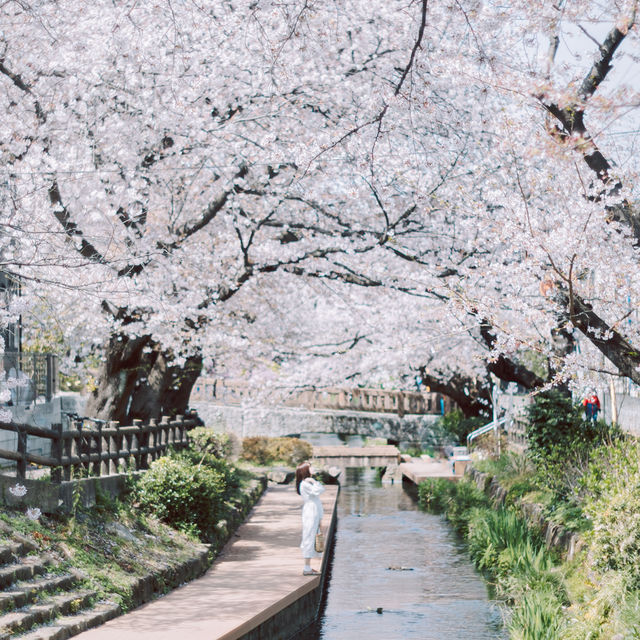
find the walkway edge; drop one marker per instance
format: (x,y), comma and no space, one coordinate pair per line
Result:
(153,585)
(302,605)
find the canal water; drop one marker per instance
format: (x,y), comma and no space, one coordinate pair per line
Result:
(399,573)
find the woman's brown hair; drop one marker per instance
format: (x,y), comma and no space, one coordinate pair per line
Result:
(303,471)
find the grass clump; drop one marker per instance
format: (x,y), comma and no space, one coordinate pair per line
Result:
(434,494)
(511,555)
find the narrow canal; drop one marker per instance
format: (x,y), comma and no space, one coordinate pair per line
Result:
(400,573)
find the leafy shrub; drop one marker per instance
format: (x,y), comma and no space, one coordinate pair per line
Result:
(460,427)
(262,450)
(612,502)
(561,442)
(208,443)
(556,427)
(186,496)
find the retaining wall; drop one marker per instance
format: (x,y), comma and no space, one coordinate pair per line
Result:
(555,535)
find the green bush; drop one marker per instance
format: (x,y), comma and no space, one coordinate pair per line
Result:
(561,442)
(264,451)
(611,494)
(556,427)
(460,427)
(186,496)
(206,443)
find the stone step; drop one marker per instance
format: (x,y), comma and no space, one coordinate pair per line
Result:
(14,536)
(64,604)
(25,569)
(22,593)
(69,626)
(10,551)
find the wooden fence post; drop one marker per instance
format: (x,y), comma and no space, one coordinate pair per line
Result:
(135,445)
(97,448)
(56,453)
(21,470)
(114,447)
(149,441)
(164,436)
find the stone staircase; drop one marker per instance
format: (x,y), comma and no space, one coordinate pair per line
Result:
(38,601)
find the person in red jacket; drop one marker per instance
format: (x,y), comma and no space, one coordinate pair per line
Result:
(591,406)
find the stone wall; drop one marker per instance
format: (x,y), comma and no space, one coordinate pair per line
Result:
(286,421)
(555,535)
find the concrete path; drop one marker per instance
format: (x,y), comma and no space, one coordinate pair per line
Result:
(257,574)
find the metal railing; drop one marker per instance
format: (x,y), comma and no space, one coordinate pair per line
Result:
(100,450)
(492,426)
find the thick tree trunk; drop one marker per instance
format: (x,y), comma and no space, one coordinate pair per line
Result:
(137,380)
(118,377)
(167,388)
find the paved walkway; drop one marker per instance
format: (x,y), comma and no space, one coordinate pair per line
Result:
(257,574)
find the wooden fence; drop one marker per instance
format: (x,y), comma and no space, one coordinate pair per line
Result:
(99,450)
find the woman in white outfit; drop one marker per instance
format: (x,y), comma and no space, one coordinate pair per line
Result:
(310,491)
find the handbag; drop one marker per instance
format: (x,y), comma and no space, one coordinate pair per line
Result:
(319,545)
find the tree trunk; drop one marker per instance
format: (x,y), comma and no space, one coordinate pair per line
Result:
(167,388)
(117,377)
(137,380)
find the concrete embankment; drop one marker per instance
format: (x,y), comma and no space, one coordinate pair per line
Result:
(255,588)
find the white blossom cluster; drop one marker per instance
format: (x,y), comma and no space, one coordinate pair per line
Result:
(314,193)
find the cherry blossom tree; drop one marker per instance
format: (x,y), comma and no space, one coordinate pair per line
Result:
(165,164)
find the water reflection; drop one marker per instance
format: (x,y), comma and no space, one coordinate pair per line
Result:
(399,573)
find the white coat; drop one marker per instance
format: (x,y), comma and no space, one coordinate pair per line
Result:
(310,491)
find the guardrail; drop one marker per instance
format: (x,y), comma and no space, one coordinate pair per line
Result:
(492,426)
(100,450)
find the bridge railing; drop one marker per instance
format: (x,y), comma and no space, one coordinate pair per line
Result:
(100,450)
(513,426)
(358,399)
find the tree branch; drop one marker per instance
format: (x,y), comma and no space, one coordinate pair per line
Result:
(71,229)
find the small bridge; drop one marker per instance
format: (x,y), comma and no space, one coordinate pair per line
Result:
(395,415)
(343,456)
